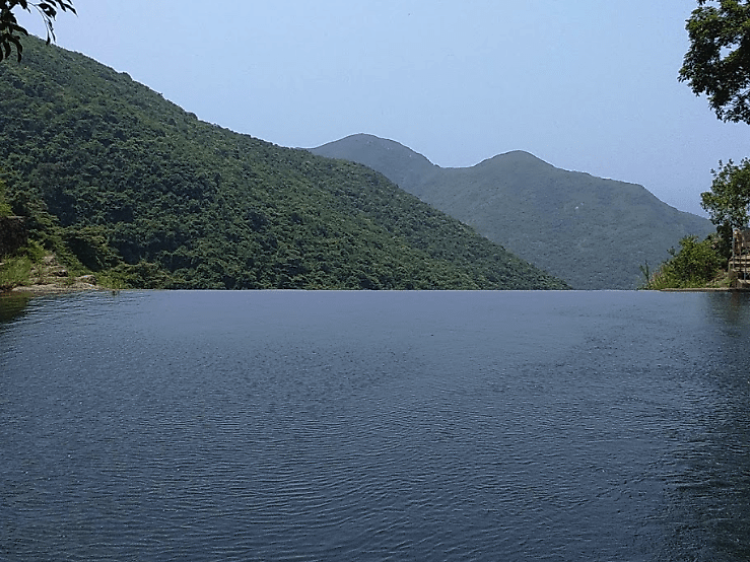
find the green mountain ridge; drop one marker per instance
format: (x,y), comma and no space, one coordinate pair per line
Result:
(130,184)
(595,233)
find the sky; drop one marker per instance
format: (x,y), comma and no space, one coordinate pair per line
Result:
(586,85)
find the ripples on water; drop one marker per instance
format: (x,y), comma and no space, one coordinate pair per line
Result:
(376,426)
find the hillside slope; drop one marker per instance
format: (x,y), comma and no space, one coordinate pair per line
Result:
(134,186)
(592,232)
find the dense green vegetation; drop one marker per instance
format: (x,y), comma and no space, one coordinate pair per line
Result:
(695,265)
(592,232)
(716,63)
(728,202)
(120,181)
(5,209)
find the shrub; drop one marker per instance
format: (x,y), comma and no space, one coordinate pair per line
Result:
(14,271)
(695,265)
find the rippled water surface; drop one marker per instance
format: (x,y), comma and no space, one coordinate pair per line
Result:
(350,426)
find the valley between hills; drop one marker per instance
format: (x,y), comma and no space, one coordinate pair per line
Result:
(118,182)
(594,233)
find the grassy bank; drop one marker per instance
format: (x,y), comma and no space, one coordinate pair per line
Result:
(34,269)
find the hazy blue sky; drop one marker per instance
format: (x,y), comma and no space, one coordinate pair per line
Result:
(587,85)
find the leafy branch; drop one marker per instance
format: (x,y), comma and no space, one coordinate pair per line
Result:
(11,32)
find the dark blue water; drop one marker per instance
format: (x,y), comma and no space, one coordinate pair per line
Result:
(376,426)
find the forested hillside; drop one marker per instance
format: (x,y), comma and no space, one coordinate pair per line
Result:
(133,186)
(592,232)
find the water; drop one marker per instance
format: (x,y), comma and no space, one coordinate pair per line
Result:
(376,426)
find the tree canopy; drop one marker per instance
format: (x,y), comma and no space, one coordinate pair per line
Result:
(718,61)
(11,31)
(728,202)
(718,65)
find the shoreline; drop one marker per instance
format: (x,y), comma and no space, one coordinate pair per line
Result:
(49,277)
(45,289)
(707,290)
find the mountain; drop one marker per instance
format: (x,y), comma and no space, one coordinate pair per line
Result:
(592,232)
(398,163)
(124,183)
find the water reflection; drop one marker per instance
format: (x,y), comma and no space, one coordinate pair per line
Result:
(730,308)
(11,306)
(712,494)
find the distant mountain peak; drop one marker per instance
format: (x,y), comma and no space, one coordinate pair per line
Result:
(366,137)
(514,157)
(595,233)
(352,142)
(400,164)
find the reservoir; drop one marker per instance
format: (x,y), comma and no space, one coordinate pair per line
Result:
(372,426)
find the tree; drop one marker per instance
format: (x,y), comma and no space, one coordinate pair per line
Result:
(11,32)
(718,61)
(728,202)
(5,209)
